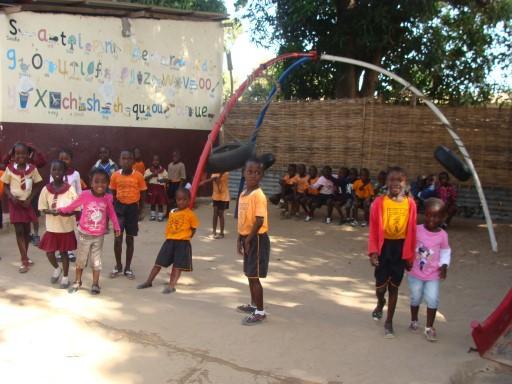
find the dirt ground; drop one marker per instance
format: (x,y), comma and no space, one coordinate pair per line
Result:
(319,296)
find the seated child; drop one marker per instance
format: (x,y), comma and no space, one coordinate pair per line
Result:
(176,250)
(428,188)
(326,186)
(447,192)
(60,228)
(300,187)
(353,175)
(380,185)
(156,178)
(341,195)
(363,191)
(311,193)
(430,265)
(97,205)
(287,191)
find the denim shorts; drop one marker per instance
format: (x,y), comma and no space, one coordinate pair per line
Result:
(424,289)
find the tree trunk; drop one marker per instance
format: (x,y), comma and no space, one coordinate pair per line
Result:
(371,78)
(346,86)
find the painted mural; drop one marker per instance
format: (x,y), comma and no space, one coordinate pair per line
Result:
(70,69)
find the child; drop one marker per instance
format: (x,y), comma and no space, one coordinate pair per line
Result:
(447,192)
(340,197)
(138,164)
(1,198)
(21,181)
(128,187)
(156,177)
(391,243)
(253,240)
(72,176)
(431,263)
(96,206)
(326,186)
(177,177)
(105,162)
(176,250)
(311,193)
(60,229)
(363,191)
(220,199)
(301,185)
(349,205)
(380,186)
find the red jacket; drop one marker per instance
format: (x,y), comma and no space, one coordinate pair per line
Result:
(376,235)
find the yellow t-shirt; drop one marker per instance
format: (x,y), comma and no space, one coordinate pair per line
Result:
(249,207)
(58,224)
(366,192)
(180,224)
(302,183)
(15,182)
(221,187)
(395,216)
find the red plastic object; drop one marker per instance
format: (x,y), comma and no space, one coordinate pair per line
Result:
(229,106)
(493,337)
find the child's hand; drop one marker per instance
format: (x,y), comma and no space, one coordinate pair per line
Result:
(24,203)
(117,233)
(240,246)
(374,259)
(247,245)
(408,265)
(443,271)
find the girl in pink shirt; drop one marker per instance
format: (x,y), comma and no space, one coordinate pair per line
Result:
(430,265)
(96,206)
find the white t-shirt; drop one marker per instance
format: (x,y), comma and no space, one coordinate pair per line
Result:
(73,180)
(326,184)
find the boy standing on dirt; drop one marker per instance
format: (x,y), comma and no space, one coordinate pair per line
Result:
(253,241)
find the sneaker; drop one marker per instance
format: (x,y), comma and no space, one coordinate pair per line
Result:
(246,308)
(160,219)
(168,290)
(152,218)
(413,327)
(55,275)
(354,223)
(308,219)
(144,285)
(364,224)
(58,256)
(23,269)
(36,240)
(389,333)
(64,283)
(71,257)
(430,334)
(328,220)
(254,319)
(75,287)
(95,289)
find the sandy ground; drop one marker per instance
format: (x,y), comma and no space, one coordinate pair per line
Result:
(319,297)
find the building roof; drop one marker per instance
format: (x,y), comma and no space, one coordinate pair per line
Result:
(108,8)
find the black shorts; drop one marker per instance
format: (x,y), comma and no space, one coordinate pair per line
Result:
(128,217)
(391,265)
(172,188)
(320,199)
(257,258)
(222,205)
(177,253)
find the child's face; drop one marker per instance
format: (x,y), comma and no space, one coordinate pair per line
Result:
(365,176)
(381,178)
(104,154)
(126,160)
(434,217)
(156,161)
(342,173)
(63,156)
(253,173)
(137,154)
(301,169)
(182,200)
(444,179)
(20,155)
(175,157)
(395,183)
(292,171)
(99,184)
(313,172)
(57,172)
(325,172)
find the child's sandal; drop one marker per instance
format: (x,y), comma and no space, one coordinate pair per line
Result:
(23,269)
(75,287)
(116,272)
(129,274)
(95,289)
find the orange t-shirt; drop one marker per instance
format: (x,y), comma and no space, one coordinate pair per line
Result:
(128,187)
(1,186)
(302,183)
(290,180)
(180,224)
(139,167)
(366,192)
(249,207)
(313,191)
(221,187)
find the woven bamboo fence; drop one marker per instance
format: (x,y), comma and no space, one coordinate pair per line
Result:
(363,133)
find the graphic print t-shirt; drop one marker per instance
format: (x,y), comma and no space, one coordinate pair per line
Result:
(395,215)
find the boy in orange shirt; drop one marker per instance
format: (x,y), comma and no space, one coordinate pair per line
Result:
(176,250)
(220,199)
(363,191)
(128,187)
(253,241)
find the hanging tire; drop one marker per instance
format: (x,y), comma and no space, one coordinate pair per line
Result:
(455,166)
(229,157)
(268,159)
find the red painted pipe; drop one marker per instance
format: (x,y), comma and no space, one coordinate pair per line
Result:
(227,109)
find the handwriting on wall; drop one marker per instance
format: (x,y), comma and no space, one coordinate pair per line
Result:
(74,69)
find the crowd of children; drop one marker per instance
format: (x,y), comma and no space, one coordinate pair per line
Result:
(117,195)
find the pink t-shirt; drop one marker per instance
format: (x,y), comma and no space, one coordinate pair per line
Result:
(432,251)
(95,211)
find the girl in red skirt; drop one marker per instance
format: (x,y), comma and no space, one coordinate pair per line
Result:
(60,234)
(156,176)
(21,181)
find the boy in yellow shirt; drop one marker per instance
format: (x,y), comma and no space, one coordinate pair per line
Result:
(253,241)
(176,249)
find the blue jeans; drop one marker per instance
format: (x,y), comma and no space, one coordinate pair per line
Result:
(424,289)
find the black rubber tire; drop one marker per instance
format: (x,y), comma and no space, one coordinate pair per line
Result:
(455,166)
(229,157)
(268,159)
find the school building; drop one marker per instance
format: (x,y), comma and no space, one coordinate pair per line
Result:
(83,74)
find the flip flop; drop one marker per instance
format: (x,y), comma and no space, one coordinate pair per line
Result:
(129,274)
(116,272)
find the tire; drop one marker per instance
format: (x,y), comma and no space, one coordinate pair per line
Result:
(268,159)
(455,166)
(229,157)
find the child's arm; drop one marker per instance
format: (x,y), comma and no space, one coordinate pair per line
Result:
(35,188)
(111,213)
(445,256)
(373,235)
(255,228)
(193,232)
(8,193)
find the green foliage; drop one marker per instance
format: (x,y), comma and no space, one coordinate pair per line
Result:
(196,5)
(446,48)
